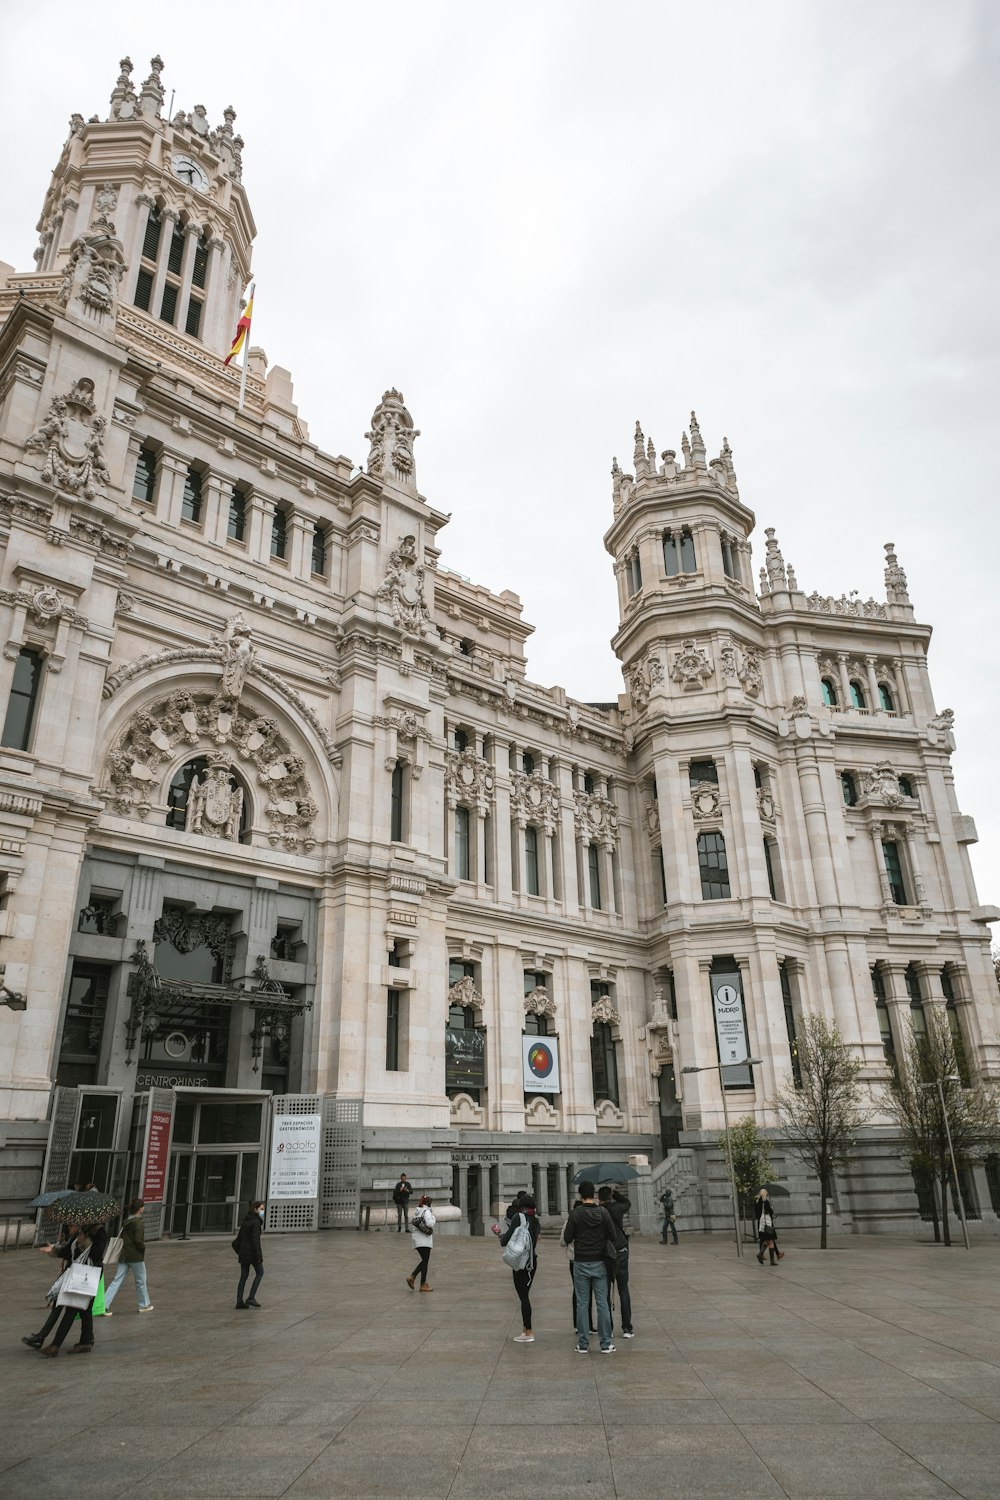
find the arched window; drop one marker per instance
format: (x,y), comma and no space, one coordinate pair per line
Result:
(885,698)
(279,533)
(179,795)
(848,788)
(678,552)
(191,501)
(319,550)
(906,787)
(237,526)
(144,483)
(633,574)
(829,692)
(713,867)
(730,558)
(857,694)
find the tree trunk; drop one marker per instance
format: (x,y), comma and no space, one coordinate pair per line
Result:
(822,1218)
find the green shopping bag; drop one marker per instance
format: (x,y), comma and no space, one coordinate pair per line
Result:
(98,1310)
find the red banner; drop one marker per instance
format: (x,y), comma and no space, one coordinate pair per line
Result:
(154,1174)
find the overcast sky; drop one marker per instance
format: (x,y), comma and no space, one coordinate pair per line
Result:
(541,221)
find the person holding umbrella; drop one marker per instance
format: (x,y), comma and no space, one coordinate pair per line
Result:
(763,1210)
(64,1250)
(90,1210)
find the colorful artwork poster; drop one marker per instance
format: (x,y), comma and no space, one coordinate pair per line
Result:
(540,1057)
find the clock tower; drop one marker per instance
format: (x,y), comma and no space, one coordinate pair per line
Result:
(151,213)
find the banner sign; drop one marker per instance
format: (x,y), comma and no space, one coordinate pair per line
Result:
(540,1059)
(154,1171)
(731,1028)
(465,1058)
(295,1146)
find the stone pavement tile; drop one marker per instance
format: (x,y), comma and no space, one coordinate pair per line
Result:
(645,1411)
(692,1461)
(61,1474)
(231,1461)
(360,1466)
(281,1410)
(932,1407)
(145,1447)
(820,1462)
(563,1461)
(968,1459)
(617,1377)
(413,1415)
(785,1411)
(541,1410)
(771,1375)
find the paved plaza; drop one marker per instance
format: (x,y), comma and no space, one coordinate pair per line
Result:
(873,1369)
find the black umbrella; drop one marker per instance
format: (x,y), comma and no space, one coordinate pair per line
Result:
(776,1190)
(83,1208)
(606,1171)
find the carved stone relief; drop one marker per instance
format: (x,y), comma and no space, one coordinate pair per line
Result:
(539,1002)
(469,780)
(71,442)
(236,645)
(604,1010)
(534,799)
(215,806)
(403,589)
(391,438)
(641,677)
(705,801)
(766,805)
(881,784)
(692,667)
(464,993)
(742,663)
(595,817)
(96,262)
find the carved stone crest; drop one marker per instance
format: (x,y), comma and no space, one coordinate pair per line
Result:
(641,677)
(534,799)
(743,663)
(705,801)
(766,806)
(604,1010)
(692,667)
(538,1002)
(881,784)
(46,605)
(403,589)
(237,655)
(469,780)
(215,806)
(71,440)
(595,817)
(96,262)
(391,438)
(464,993)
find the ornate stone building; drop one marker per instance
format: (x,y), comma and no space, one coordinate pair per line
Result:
(282,817)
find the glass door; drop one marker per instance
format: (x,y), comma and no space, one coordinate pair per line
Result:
(214,1202)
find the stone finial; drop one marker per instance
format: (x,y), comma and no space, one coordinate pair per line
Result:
(123,96)
(895,578)
(765,586)
(639,452)
(152,96)
(391,437)
(697,444)
(686,449)
(774,562)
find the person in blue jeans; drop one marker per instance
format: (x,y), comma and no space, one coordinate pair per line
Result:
(132,1258)
(589,1230)
(618,1204)
(249,1251)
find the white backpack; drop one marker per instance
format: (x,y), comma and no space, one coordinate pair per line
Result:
(517,1252)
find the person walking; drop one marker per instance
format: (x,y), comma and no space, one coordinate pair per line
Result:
(64,1250)
(401,1197)
(618,1204)
(590,1230)
(525,1275)
(132,1258)
(88,1248)
(422,1235)
(669,1217)
(763,1210)
(250,1254)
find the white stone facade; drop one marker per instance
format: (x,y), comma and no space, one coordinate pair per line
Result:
(383,807)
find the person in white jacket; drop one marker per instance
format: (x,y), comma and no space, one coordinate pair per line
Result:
(422,1226)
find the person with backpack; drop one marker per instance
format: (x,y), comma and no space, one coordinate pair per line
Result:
(669,1217)
(247,1247)
(519,1241)
(422,1236)
(591,1231)
(618,1204)
(401,1197)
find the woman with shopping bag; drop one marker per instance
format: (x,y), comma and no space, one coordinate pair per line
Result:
(64,1251)
(78,1290)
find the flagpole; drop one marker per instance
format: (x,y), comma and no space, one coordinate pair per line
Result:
(243,372)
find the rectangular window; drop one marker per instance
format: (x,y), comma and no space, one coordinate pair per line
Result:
(236,527)
(713,867)
(176,256)
(793,1045)
(487,844)
(661,870)
(168,307)
(462,841)
(191,501)
(392,1058)
(83,1028)
(200,267)
(151,238)
(604,1063)
(144,483)
(730,563)
(918,1020)
(396,806)
(633,572)
(531,861)
(461,740)
(594,871)
(23,700)
(882,1011)
(894,870)
(144,290)
(192,323)
(773,871)
(703,770)
(688,564)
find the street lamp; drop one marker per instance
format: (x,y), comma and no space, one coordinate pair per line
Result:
(939,1084)
(717,1068)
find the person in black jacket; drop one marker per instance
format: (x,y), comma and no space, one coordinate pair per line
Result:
(767,1235)
(249,1251)
(524,1204)
(90,1246)
(589,1229)
(618,1204)
(64,1250)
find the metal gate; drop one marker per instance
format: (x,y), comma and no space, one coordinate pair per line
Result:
(285,1215)
(340,1165)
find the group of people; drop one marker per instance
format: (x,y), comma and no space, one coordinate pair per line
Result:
(87,1244)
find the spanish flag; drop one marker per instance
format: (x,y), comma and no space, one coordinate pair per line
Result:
(242,328)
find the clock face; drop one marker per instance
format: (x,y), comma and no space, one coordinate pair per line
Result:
(189,172)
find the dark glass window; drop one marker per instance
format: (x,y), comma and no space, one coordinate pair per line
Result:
(730,559)
(857,694)
(955,1027)
(192,322)
(176,256)
(221,1123)
(713,867)
(905,787)
(894,870)
(144,289)
(917,1018)
(319,550)
(462,842)
(536,1025)
(829,692)
(191,501)
(392,1032)
(588,784)
(771,861)
(594,873)
(604,1063)
(168,307)
(663,872)
(885,698)
(633,573)
(151,238)
(23,700)
(83,1028)
(793,1045)
(703,770)
(849,789)
(279,533)
(527,763)
(284,941)
(461,740)
(531,860)
(144,483)
(882,1011)
(98,916)
(236,529)
(396,805)
(200,267)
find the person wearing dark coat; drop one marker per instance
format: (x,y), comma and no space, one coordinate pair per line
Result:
(589,1229)
(669,1218)
(250,1254)
(618,1204)
(524,1204)
(132,1258)
(64,1250)
(767,1235)
(90,1247)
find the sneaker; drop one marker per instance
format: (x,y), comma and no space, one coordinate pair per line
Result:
(149,1307)
(582,1349)
(107,1313)
(627,1333)
(524,1338)
(611,1349)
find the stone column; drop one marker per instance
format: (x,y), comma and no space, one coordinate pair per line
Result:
(173,469)
(897,1003)
(168,218)
(134,256)
(876,831)
(845,681)
(299,550)
(902,702)
(916,873)
(872,683)
(192,234)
